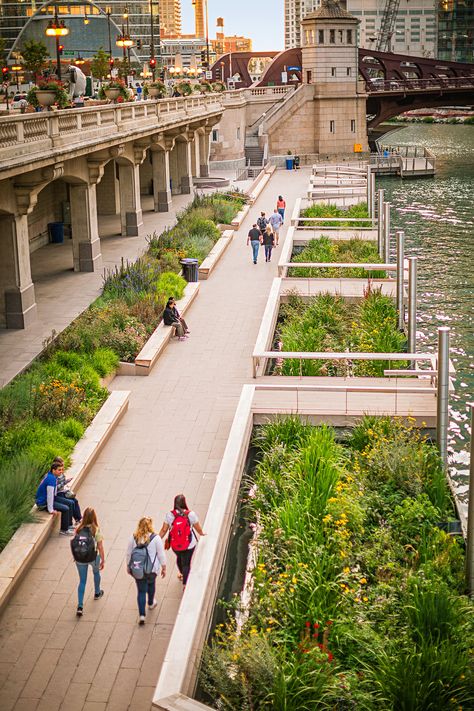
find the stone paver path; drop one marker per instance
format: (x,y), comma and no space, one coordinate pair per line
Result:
(170,441)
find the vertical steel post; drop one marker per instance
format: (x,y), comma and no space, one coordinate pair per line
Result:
(400,279)
(442,405)
(372,195)
(369,191)
(412,264)
(380,198)
(470,518)
(386,231)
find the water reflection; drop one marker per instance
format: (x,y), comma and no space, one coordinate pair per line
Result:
(438,217)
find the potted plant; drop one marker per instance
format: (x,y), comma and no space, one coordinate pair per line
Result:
(47,93)
(156,89)
(205,87)
(218,86)
(113,90)
(184,88)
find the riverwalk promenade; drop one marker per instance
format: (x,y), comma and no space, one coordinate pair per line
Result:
(171,440)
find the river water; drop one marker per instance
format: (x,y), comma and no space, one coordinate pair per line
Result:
(438,218)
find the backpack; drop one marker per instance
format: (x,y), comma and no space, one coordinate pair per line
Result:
(84,546)
(180,532)
(262,223)
(141,564)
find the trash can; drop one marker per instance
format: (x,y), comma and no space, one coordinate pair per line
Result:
(190,269)
(289,163)
(297,162)
(56,232)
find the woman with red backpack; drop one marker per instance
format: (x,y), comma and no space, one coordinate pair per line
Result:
(182,525)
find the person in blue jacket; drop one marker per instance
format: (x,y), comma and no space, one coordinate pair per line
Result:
(45,499)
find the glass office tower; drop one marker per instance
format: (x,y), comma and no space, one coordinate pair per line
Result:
(456,30)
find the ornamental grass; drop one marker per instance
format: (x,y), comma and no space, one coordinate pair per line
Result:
(326,250)
(356,598)
(330,323)
(321,210)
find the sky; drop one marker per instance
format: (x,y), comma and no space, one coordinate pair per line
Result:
(262,20)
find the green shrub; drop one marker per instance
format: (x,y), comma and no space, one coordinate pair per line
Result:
(321,210)
(170,284)
(326,250)
(104,361)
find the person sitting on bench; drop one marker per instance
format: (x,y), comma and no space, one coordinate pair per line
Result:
(171,317)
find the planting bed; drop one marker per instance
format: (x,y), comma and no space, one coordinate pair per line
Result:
(326,250)
(355,593)
(44,411)
(320,210)
(331,323)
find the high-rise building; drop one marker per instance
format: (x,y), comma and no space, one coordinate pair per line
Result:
(414,31)
(456,30)
(170,16)
(199,20)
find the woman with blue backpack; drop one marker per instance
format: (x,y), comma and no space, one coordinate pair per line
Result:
(145,557)
(87,548)
(182,525)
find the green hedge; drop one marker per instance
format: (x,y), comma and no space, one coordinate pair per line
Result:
(357,594)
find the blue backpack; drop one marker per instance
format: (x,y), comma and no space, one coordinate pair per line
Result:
(141,564)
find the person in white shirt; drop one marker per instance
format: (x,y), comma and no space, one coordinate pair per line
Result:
(145,536)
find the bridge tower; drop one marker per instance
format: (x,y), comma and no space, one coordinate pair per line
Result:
(330,67)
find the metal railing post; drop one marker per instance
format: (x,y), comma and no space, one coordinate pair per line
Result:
(442,405)
(470,518)
(369,191)
(380,200)
(386,232)
(400,279)
(372,195)
(412,265)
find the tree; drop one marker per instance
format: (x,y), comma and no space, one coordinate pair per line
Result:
(100,64)
(34,56)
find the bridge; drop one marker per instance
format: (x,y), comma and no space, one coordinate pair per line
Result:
(393,83)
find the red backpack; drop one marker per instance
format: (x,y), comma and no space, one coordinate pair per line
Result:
(181,531)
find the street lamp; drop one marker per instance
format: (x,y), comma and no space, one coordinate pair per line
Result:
(17,68)
(57,29)
(79,61)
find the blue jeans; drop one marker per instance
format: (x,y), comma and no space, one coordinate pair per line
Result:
(82,569)
(255,247)
(145,587)
(268,252)
(281,210)
(72,503)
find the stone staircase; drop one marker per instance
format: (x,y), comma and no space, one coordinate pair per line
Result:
(254,156)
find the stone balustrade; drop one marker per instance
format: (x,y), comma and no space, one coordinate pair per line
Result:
(23,136)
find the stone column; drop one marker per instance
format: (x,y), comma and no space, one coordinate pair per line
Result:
(16,287)
(204,149)
(85,233)
(196,157)
(130,202)
(183,149)
(161,180)
(174,173)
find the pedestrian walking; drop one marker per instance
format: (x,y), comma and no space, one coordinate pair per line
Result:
(254,238)
(145,559)
(276,221)
(87,548)
(182,524)
(281,207)
(171,317)
(268,242)
(262,222)
(46,499)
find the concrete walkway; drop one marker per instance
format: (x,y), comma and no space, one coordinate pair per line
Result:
(170,441)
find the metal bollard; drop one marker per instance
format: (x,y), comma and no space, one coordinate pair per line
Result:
(386,232)
(442,404)
(400,279)
(412,267)
(470,518)
(380,201)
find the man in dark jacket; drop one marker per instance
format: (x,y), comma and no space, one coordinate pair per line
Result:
(171,317)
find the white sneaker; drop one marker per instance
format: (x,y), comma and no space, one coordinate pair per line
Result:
(153,605)
(141,620)
(66,533)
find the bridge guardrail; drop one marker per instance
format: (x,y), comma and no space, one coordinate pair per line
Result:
(402,85)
